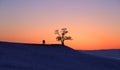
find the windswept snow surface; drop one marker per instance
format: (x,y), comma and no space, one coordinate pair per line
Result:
(110,53)
(15,56)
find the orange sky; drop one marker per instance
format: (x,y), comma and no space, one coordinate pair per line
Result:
(93,24)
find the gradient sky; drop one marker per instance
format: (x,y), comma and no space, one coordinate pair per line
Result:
(93,24)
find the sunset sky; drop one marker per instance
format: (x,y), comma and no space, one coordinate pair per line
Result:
(93,24)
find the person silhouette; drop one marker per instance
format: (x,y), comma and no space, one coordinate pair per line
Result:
(43,42)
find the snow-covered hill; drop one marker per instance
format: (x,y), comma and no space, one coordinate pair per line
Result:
(15,56)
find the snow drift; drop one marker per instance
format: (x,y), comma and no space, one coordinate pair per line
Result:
(110,53)
(16,56)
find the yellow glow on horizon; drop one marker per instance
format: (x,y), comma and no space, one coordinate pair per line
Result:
(92,25)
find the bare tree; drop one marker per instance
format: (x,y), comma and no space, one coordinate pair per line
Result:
(61,35)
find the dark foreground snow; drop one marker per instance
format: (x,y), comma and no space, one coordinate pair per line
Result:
(15,56)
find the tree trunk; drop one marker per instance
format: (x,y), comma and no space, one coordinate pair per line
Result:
(62,43)
(62,40)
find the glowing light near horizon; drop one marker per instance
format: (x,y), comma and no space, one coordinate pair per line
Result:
(93,25)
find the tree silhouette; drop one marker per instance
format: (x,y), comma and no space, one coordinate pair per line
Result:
(61,35)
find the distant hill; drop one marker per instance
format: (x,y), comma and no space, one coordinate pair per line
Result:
(18,56)
(111,53)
